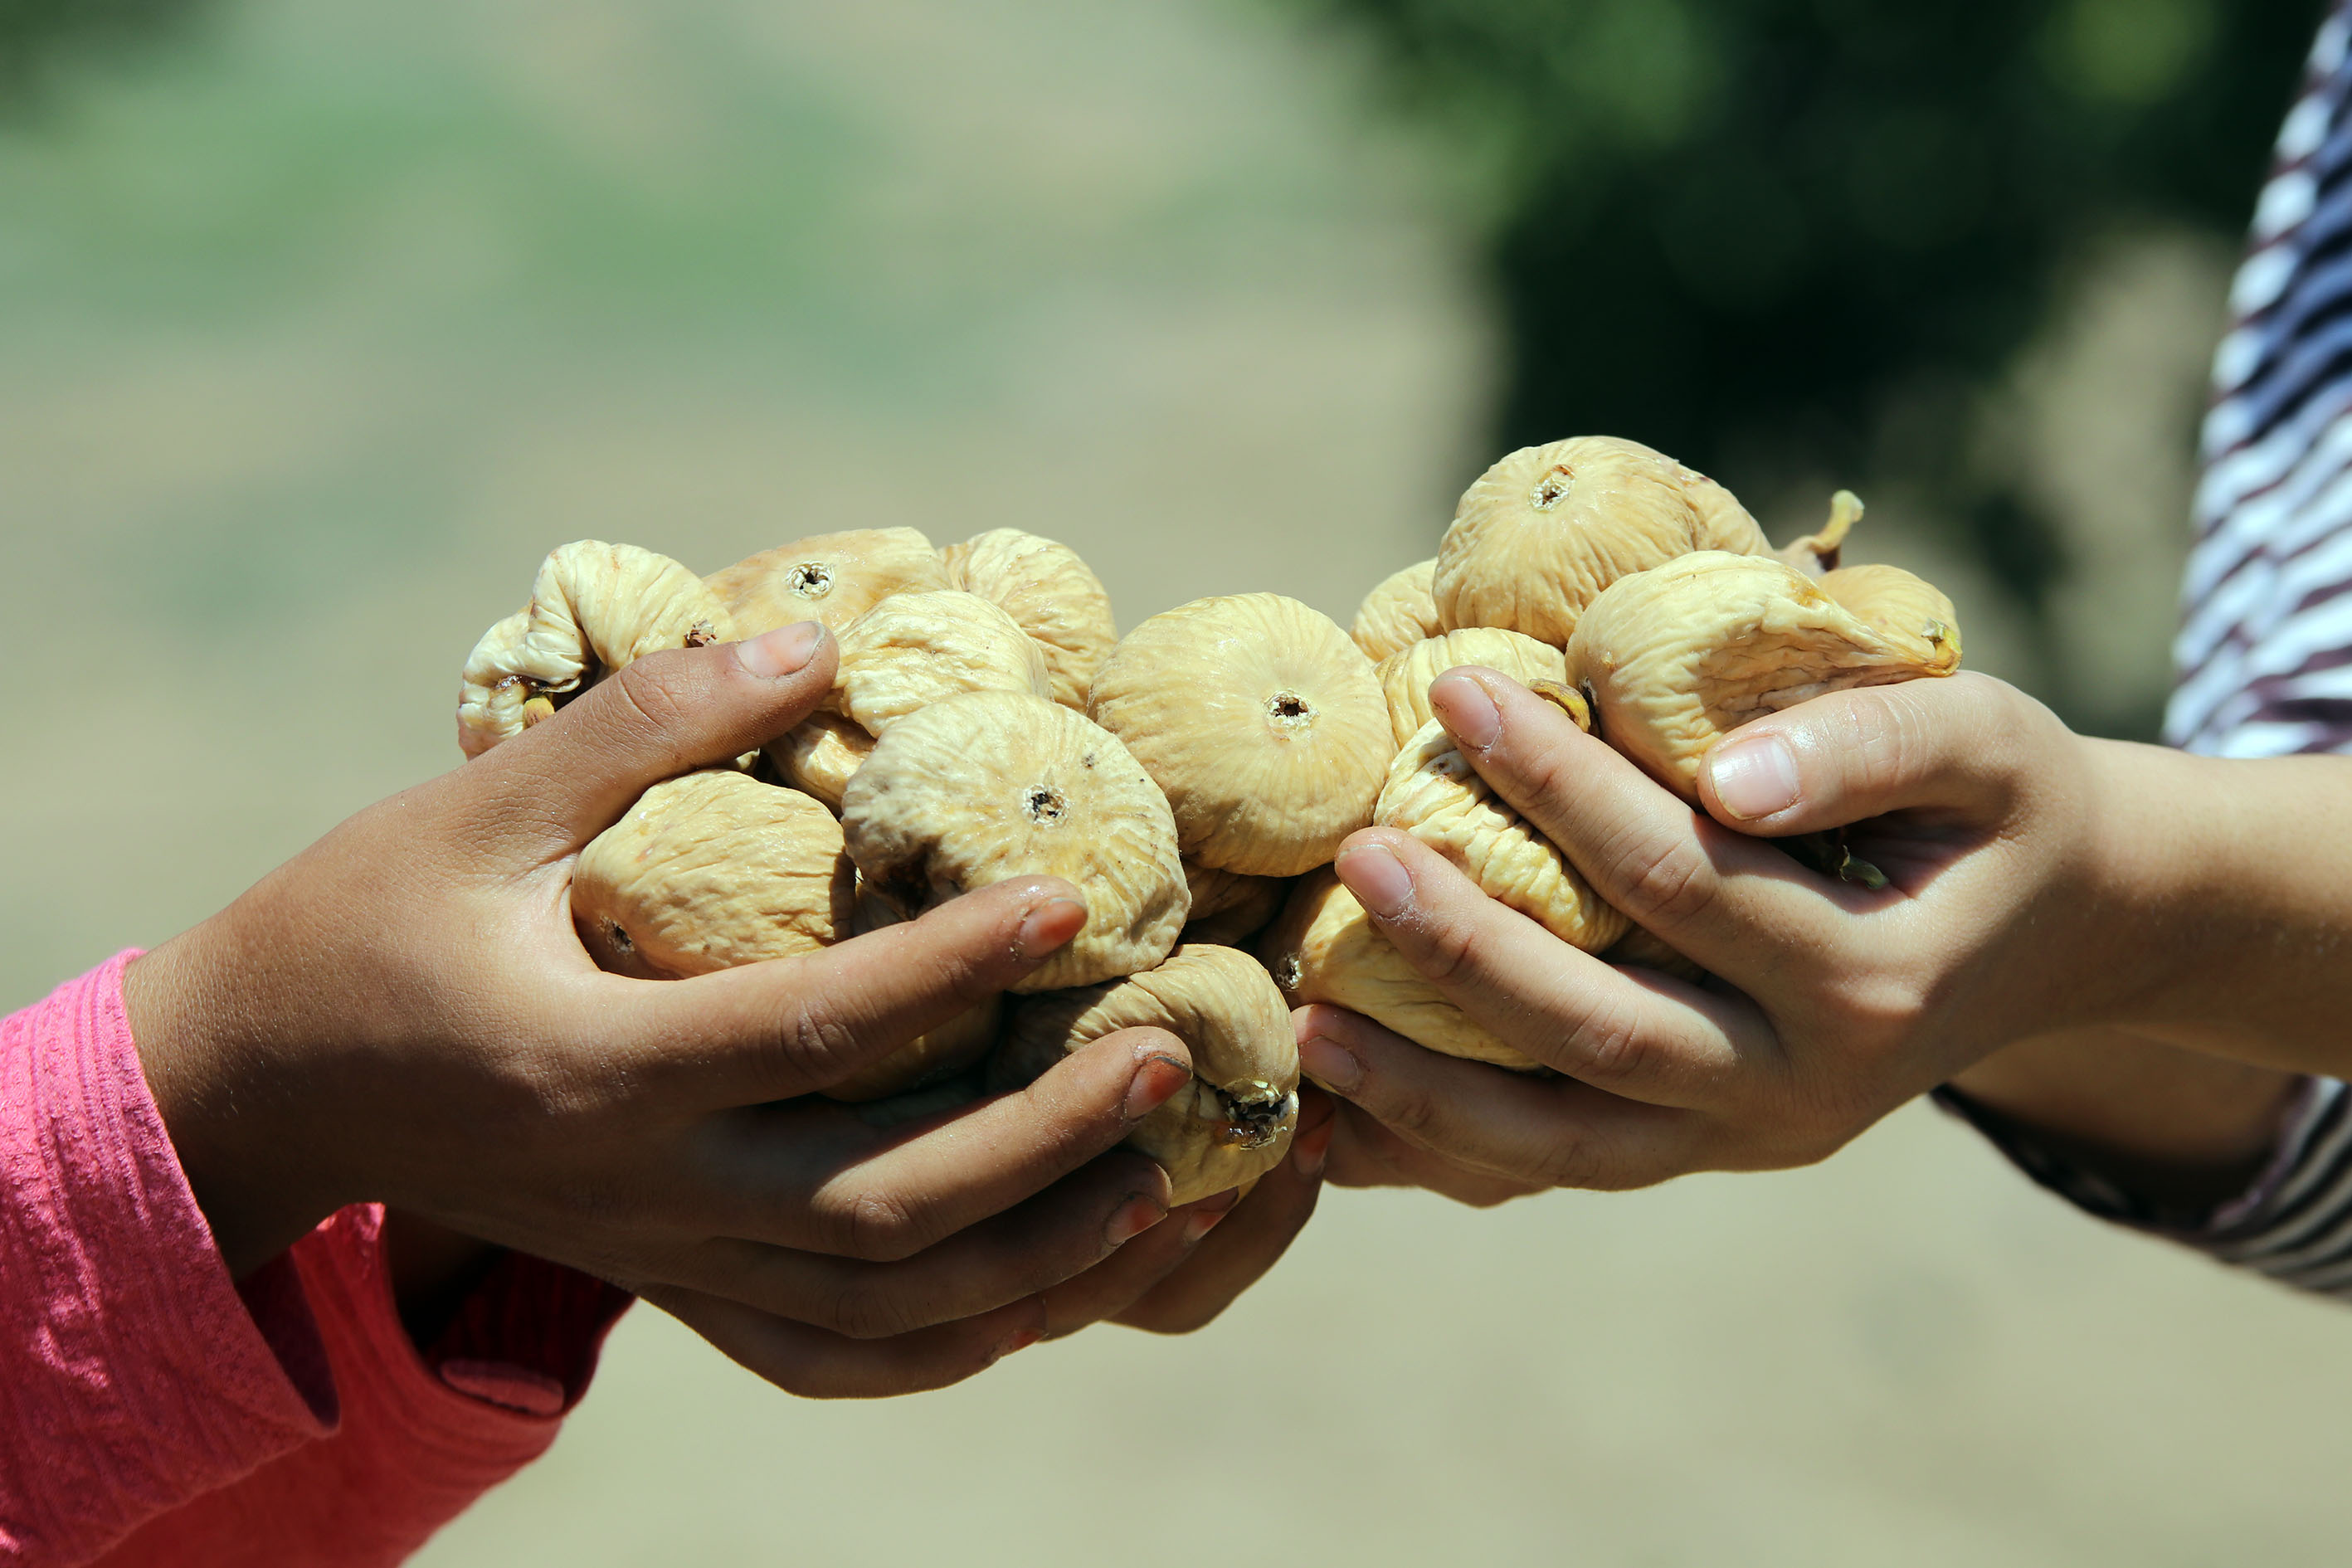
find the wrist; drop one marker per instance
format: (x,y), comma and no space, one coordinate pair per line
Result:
(232,1117)
(2151,836)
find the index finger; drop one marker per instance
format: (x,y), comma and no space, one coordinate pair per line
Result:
(1704,889)
(797,1025)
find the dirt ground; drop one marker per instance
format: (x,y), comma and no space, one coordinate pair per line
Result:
(319,326)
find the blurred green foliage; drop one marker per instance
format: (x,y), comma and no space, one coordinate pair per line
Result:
(32,32)
(1745,230)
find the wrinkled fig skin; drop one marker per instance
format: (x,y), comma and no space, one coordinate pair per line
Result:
(710,871)
(1262,721)
(1049,592)
(1907,611)
(993,784)
(1405,675)
(1433,795)
(1228,908)
(1675,658)
(1233,1122)
(925,1061)
(1326,949)
(1399,613)
(831,577)
(817,756)
(913,649)
(594,608)
(1543,531)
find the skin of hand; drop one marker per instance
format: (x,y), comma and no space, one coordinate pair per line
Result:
(403,1014)
(2039,883)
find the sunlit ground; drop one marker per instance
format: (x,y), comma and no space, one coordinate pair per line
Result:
(318,329)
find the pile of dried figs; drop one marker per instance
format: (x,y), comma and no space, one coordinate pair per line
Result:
(1194,779)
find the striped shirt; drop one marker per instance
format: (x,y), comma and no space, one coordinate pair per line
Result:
(2264,654)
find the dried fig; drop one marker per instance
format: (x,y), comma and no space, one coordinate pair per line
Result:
(1399,613)
(817,756)
(991,785)
(709,871)
(1233,1122)
(1052,596)
(1439,798)
(831,577)
(1816,554)
(912,649)
(1326,949)
(1543,531)
(1228,908)
(1405,675)
(1905,610)
(594,608)
(1262,721)
(1675,658)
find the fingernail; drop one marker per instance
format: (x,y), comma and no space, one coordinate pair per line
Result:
(781,652)
(1134,1217)
(1330,1064)
(1019,1341)
(1309,1150)
(1047,926)
(1376,878)
(1156,1078)
(1754,777)
(1469,715)
(1205,1215)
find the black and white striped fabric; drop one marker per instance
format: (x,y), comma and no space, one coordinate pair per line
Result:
(2264,653)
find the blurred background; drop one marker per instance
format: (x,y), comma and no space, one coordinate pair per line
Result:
(321,320)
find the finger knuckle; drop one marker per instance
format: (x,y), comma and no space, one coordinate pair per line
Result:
(862,1308)
(1447,950)
(1663,882)
(1611,1046)
(879,1228)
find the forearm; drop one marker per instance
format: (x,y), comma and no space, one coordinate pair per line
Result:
(2227,899)
(2181,1129)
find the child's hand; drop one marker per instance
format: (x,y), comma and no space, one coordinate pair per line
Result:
(2003,917)
(403,1014)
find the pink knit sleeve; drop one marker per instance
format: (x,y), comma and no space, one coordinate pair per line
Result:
(132,1375)
(151,1412)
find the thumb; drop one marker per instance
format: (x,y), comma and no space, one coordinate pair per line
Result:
(660,716)
(1951,746)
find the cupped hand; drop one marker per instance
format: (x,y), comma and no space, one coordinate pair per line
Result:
(403,1014)
(1829,1003)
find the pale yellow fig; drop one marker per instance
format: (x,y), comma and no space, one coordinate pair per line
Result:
(1326,949)
(1436,795)
(709,871)
(1907,611)
(912,649)
(1262,721)
(1675,658)
(817,756)
(1399,613)
(594,608)
(1049,592)
(1228,908)
(1543,531)
(1405,675)
(1233,1122)
(1816,554)
(831,577)
(993,785)
(939,1053)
